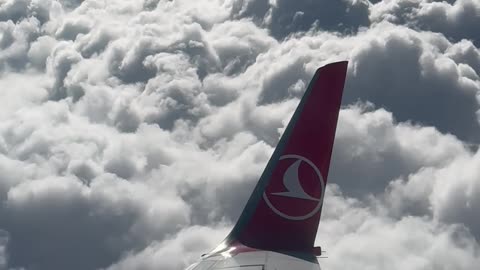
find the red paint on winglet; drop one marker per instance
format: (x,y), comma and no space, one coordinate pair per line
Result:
(284,210)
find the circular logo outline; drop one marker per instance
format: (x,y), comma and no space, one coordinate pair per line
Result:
(320,201)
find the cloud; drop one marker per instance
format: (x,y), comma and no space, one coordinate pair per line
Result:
(366,238)
(18,10)
(420,80)
(447,200)
(115,214)
(132,132)
(377,150)
(15,41)
(190,243)
(454,19)
(285,17)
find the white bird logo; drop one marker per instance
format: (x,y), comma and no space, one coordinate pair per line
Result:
(291,182)
(295,190)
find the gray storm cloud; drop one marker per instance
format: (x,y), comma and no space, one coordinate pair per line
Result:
(132,132)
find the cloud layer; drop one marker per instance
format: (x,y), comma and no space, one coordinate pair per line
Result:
(132,132)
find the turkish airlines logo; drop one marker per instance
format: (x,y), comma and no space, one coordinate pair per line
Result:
(289,199)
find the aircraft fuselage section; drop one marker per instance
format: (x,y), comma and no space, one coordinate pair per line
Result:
(254,260)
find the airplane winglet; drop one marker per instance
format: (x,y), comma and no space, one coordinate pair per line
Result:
(284,209)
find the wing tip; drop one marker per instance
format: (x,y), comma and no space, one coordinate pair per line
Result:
(339,64)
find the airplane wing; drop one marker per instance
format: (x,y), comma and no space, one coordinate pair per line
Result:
(277,228)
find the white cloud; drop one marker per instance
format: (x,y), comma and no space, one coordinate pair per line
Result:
(15,41)
(378,150)
(456,19)
(356,236)
(191,243)
(132,132)
(3,247)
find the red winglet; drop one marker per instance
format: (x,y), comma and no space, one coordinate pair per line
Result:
(284,210)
